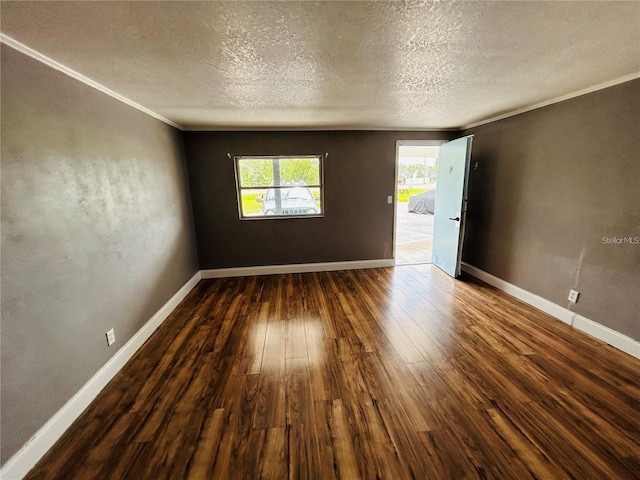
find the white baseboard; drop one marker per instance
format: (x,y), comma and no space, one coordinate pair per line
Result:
(521,294)
(613,338)
(32,451)
(295,268)
(26,458)
(607,335)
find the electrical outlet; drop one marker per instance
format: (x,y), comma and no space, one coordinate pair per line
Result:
(111,337)
(573,296)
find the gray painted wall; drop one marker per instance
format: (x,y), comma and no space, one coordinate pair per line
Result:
(96,233)
(550,184)
(358,177)
(97,230)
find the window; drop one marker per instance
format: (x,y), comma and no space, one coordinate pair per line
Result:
(279,187)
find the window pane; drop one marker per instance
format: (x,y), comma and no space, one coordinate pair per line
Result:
(256,172)
(252,200)
(315,191)
(279,187)
(300,171)
(279,201)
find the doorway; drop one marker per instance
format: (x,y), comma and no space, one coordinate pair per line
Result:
(416,175)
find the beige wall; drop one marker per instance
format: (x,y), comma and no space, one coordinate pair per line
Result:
(551,184)
(96,233)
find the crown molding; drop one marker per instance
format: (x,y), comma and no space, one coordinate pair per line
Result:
(320,128)
(579,93)
(22,48)
(87,81)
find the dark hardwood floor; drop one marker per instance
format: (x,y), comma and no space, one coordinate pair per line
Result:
(385,373)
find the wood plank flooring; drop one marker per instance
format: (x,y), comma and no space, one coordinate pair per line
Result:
(392,373)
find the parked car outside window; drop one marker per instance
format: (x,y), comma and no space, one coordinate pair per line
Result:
(294,201)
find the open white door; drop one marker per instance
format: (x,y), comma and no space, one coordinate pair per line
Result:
(451,204)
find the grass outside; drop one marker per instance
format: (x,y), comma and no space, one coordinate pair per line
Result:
(249,204)
(405,193)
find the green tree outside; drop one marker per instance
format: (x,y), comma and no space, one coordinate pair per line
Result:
(259,172)
(300,170)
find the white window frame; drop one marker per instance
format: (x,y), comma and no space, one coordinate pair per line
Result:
(277,186)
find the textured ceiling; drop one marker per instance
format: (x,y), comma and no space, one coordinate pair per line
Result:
(334,65)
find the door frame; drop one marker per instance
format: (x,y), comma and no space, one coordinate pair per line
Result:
(405,143)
